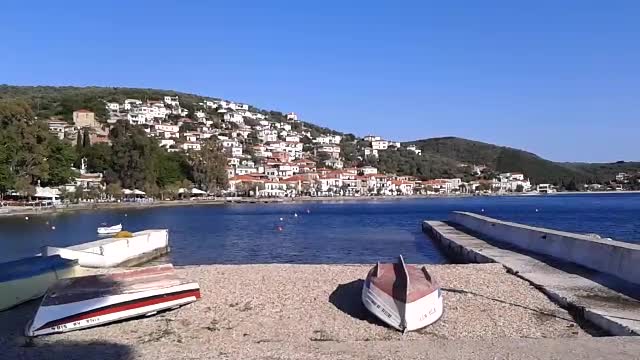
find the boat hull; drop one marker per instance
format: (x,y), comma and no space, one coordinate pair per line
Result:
(111,252)
(403,316)
(109,230)
(32,286)
(98,300)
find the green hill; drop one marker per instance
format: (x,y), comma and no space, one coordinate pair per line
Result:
(506,159)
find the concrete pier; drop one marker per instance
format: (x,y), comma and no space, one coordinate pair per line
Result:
(607,301)
(607,256)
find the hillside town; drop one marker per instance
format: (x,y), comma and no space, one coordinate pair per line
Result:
(277,157)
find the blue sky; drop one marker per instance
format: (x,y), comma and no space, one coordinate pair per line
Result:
(558,78)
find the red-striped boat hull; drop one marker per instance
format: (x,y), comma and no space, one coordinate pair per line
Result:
(78,303)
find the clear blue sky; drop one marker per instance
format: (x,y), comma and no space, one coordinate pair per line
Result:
(558,78)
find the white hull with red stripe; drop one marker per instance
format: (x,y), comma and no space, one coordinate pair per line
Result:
(69,306)
(403,316)
(403,296)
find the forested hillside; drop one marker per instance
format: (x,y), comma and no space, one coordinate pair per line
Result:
(440,158)
(505,159)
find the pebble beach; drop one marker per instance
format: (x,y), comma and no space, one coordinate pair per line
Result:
(306,311)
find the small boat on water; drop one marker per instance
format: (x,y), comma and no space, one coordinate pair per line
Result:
(108,230)
(402,295)
(82,302)
(29,278)
(124,249)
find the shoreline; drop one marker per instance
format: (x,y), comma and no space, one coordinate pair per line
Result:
(18,211)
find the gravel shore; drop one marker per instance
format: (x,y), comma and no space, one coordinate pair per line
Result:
(305,311)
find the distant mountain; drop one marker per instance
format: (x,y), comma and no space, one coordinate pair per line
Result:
(506,159)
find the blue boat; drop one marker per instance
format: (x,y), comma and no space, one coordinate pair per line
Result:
(29,278)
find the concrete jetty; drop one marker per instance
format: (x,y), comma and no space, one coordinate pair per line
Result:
(607,298)
(315,312)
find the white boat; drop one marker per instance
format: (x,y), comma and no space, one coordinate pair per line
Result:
(29,278)
(134,249)
(403,296)
(105,230)
(82,302)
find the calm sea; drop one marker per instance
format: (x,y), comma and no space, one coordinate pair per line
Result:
(345,232)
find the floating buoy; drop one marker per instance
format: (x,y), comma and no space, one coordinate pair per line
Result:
(26,218)
(482,210)
(279,228)
(125,215)
(47,222)
(53,228)
(281,219)
(295,214)
(308,211)
(536,210)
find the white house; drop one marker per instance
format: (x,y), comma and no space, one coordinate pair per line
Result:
(129,103)
(379,144)
(167,143)
(136,119)
(292,116)
(233,117)
(113,106)
(368,170)
(172,100)
(414,149)
(191,146)
(244,170)
(292,138)
(57,127)
(370,152)
(334,163)
(371,138)
(328,139)
(332,150)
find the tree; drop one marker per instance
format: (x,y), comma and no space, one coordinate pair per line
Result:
(60,159)
(171,168)
(86,138)
(114,190)
(209,166)
(133,155)
(24,187)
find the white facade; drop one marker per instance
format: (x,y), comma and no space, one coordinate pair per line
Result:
(129,103)
(371,138)
(292,116)
(368,170)
(334,151)
(136,119)
(380,144)
(113,106)
(234,117)
(191,146)
(166,143)
(329,139)
(414,149)
(370,152)
(171,100)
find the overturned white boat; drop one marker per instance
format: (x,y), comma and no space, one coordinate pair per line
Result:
(122,250)
(82,302)
(402,295)
(107,230)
